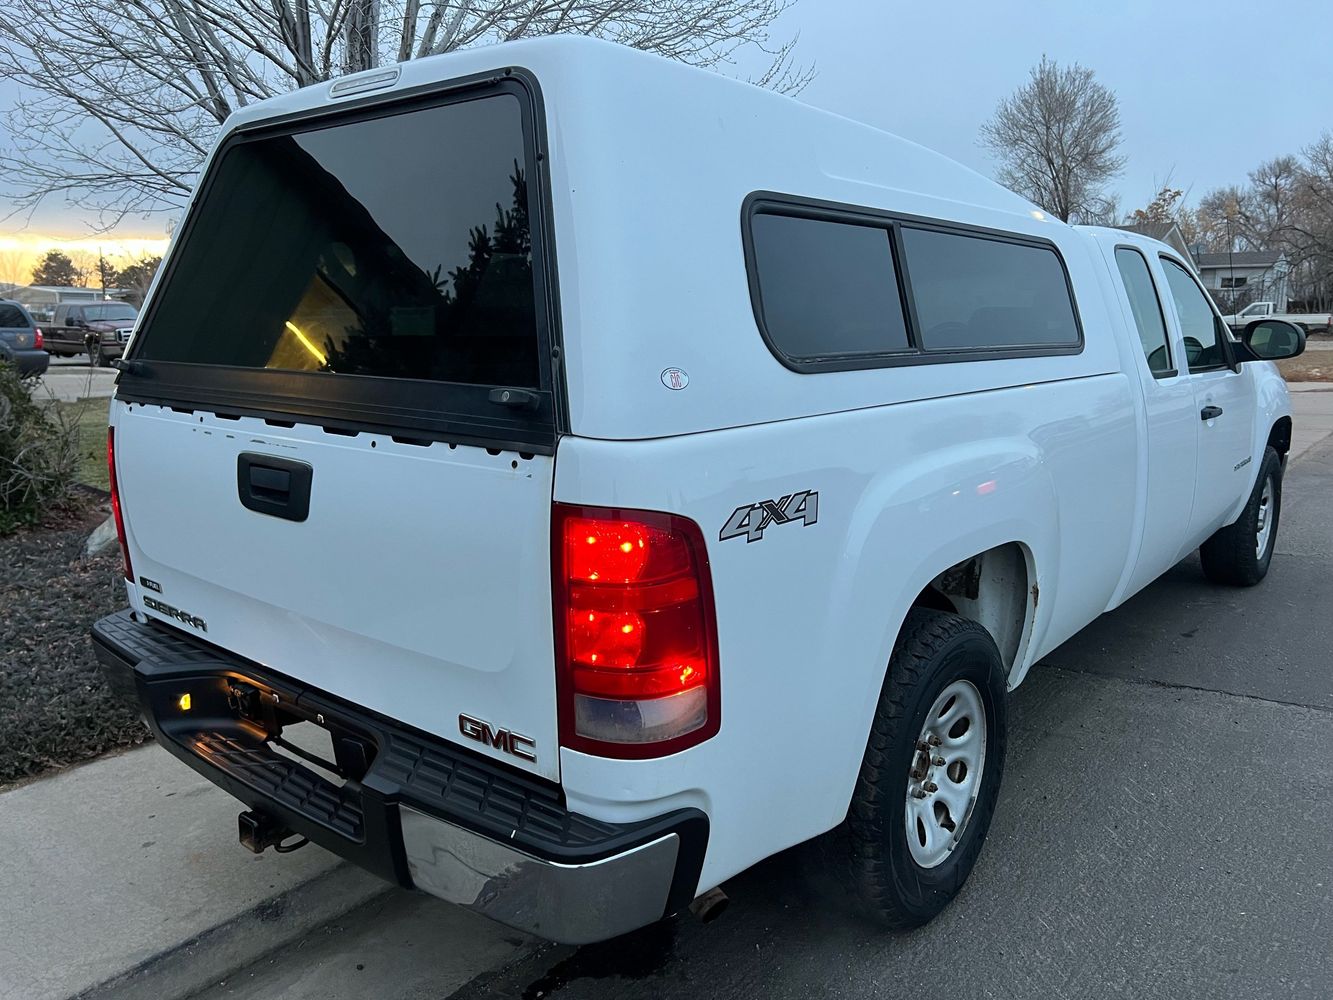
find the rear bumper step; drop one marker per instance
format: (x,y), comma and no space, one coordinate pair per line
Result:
(412,808)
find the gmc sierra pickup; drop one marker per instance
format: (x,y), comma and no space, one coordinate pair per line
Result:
(633,473)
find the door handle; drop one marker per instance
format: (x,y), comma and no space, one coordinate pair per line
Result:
(1210,412)
(278,487)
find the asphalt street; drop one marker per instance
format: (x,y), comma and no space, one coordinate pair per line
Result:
(1164,831)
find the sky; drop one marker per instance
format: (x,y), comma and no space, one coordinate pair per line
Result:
(1207,90)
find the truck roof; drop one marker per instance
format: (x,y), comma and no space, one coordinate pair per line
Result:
(586,78)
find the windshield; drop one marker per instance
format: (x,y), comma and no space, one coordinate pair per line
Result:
(109,311)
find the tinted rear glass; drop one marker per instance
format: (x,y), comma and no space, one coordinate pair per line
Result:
(827,288)
(974,292)
(12,316)
(395,247)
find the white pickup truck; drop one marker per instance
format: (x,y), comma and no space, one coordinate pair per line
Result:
(633,473)
(1310,322)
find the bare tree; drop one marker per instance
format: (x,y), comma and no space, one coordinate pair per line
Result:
(123,98)
(1056,139)
(1286,206)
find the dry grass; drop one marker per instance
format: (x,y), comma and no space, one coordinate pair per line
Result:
(1314,366)
(89,418)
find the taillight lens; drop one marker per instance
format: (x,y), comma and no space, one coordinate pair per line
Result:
(37,338)
(636,632)
(115,500)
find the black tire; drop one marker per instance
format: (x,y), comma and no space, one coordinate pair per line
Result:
(934,650)
(1232,557)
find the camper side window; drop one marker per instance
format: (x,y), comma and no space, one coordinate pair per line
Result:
(838,288)
(829,289)
(978,293)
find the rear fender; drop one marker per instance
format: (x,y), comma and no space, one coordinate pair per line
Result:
(918,517)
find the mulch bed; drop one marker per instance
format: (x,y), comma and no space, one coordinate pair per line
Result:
(55,708)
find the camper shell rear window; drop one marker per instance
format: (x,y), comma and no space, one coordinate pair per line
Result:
(381,268)
(837,287)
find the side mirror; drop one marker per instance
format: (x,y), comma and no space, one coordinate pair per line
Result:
(1273,339)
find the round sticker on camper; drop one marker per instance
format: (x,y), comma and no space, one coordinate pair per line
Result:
(674,378)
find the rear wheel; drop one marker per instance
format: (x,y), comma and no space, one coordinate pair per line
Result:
(931,774)
(1239,554)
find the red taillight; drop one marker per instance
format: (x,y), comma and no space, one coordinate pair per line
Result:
(37,338)
(115,500)
(636,634)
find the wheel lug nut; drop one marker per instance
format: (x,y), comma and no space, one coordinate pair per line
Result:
(917,793)
(934,740)
(923,746)
(937,761)
(930,786)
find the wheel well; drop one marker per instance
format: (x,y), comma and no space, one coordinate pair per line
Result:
(992,588)
(1279,438)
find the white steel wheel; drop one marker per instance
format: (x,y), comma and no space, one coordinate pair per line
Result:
(1263,530)
(945,774)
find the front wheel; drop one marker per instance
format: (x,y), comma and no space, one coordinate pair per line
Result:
(931,773)
(1238,555)
(95,356)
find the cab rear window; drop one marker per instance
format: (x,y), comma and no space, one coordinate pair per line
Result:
(388,248)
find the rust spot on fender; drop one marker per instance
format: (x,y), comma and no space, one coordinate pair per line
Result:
(1036,596)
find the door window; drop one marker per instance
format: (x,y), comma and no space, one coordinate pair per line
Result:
(1200,327)
(1147,310)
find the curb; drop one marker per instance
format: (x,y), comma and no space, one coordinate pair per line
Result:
(226,949)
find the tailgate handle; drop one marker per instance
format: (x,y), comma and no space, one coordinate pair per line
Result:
(278,487)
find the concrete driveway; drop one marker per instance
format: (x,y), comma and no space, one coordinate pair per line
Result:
(1165,829)
(68,379)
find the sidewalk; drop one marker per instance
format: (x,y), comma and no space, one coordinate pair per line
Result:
(130,865)
(1312,415)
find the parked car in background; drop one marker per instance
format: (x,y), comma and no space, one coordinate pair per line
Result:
(21,340)
(1311,322)
(99,329)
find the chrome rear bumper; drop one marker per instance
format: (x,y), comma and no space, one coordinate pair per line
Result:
(570,903)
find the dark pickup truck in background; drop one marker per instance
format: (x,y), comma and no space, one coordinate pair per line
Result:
(98,328)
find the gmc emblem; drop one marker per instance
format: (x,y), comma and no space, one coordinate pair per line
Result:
(521,747)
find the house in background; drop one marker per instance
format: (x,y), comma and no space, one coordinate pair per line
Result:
(1234,280)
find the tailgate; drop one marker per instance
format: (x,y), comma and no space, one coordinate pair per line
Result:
(335,427)
(418,584)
